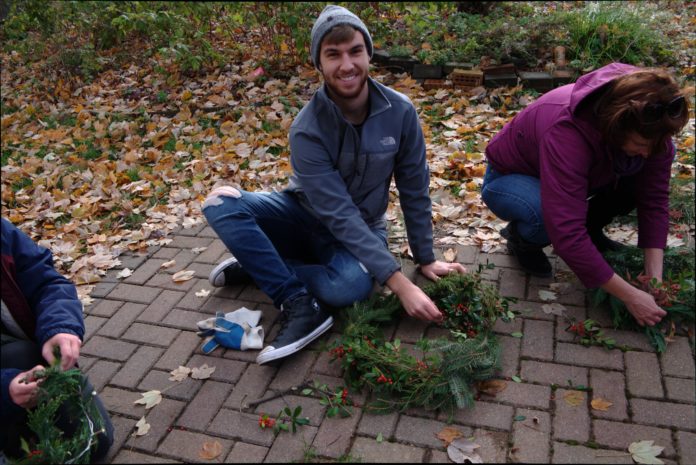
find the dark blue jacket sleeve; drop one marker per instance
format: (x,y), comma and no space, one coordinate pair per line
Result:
(51,296)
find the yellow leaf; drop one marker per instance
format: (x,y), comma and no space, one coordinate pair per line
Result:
(450,255)
(448,434)
(186,95)
(227,127)
(601,404)
(179,374)
(284,47)
(210,450)
(574,398)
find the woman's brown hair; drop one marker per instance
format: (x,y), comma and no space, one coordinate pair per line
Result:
(624,108)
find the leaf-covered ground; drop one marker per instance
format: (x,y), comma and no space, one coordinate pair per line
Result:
(92,170)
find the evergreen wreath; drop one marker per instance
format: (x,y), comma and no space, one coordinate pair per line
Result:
(675,294)
(443,376)
(64,391)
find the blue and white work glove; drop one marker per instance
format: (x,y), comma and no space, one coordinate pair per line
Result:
(229,334)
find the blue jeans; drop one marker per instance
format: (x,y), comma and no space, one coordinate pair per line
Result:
(516,198)
(286,250)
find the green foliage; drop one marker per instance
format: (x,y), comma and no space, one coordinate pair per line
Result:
(603,32)
(61,389)
(675,294)
(442,377)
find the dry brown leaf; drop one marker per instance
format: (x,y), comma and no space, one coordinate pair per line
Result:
(210,450)
(450,255)
(150,399)
(179,374)
(143,427)
(463,451)
(449,434)
(202,372)
(492,386)
(601,404)
(183,275)
(168,264)
(574,398)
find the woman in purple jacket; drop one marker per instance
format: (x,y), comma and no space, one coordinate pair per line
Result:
(580,155)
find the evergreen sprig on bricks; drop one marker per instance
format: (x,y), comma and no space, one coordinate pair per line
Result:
(442,377)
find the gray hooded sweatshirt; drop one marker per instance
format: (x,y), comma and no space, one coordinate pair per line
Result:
(343,176)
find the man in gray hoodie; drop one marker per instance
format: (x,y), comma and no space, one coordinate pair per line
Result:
(321,242)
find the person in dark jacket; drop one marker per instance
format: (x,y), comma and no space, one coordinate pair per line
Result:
(322,242)
(576,158)
(40,311)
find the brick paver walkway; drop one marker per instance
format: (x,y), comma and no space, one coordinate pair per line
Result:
(141,327)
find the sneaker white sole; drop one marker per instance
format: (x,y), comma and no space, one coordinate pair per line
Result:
(217,276)
(270,353)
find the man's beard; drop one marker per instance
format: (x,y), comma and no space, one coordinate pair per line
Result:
(345,95)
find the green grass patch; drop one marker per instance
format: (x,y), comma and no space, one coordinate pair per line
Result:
(21,184)
(170,146)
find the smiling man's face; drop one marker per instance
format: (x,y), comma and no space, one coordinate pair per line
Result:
(345,66)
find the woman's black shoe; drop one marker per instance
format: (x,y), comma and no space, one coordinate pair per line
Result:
(530,256)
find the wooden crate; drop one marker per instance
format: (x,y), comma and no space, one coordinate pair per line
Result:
(466,79)
(430,84)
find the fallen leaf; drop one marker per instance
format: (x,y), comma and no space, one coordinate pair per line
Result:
(574,398)
(519,418)
(142,426)
(379,438)
(462,451)
(124,273)
(450,255)
(492,386)
(210,450)
(179,374)
(601,404)
(516,334)
(150,399)
(645,452)
(516,379)
(183,275)
(561,288)
(554,308)
(168,264)
(198,250)
(547,296)
(202,372)
(449,434)
(203,293)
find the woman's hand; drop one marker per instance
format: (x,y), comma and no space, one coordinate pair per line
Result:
(24,388)
(644,309)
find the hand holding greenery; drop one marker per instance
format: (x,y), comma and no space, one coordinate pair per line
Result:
(61,390)
(443,375)
(675,294)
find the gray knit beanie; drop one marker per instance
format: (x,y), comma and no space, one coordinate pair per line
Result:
(333,15)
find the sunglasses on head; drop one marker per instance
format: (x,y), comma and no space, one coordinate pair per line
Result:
(653,112)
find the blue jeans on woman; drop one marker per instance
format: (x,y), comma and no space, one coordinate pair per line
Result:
(286,249)
(516,198)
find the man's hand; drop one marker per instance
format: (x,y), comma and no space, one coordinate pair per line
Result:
(416,303)
(434,270)
(69,345)
(24,388)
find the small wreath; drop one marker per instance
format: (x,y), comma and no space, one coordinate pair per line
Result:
(61,390)
(442,377)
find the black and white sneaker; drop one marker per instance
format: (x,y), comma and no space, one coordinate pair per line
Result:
(302,320)
(228,273)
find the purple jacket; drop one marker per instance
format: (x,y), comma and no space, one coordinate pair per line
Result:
(554,140)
